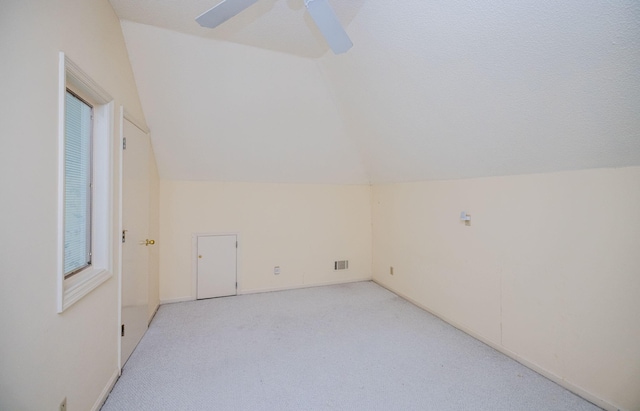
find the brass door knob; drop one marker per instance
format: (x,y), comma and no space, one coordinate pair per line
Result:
(147,242)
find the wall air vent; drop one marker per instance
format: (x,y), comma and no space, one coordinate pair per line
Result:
(341,265)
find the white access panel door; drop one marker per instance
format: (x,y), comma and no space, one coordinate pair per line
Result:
(216,275)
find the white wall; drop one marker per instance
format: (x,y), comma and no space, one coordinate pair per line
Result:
(301,228)
(548,271)
(46,356)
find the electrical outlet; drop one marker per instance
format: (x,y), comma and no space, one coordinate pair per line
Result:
(276,270)
(391,270)
(63,404)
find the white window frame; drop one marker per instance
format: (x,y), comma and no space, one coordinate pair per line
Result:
(74,288)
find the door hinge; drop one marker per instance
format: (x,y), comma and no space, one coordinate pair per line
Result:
(124,236)
(236,244)
(124,143)
(122,331)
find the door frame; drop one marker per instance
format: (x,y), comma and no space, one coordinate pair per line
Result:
(194,260)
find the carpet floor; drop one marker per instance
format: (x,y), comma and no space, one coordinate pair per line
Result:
(343,347)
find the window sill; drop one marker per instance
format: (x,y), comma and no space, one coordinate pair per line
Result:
(82,284)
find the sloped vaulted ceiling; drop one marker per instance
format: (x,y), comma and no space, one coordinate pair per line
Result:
(430,90)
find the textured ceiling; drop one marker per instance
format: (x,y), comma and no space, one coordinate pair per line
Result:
(223,112)
(430,90)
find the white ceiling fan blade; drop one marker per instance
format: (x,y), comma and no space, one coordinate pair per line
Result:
(226,9)
(329,25)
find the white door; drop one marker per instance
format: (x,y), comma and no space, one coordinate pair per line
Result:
(135,249)
(216,275)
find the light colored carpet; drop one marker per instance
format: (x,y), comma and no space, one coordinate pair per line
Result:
(345,347)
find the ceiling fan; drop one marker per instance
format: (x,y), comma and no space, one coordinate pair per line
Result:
(320,11)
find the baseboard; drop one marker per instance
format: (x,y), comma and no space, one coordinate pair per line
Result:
(155,311)
(295,287)
(177,300)
(105,392)
(540,370)
(271,289)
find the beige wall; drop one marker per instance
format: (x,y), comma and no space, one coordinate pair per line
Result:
(548,270)
(46,356)
(301,228)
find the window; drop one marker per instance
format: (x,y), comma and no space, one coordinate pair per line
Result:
(77,184)
(85,181)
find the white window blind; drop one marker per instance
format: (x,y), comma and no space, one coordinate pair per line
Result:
(77,183)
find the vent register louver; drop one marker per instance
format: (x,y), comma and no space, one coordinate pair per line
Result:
(341,265)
